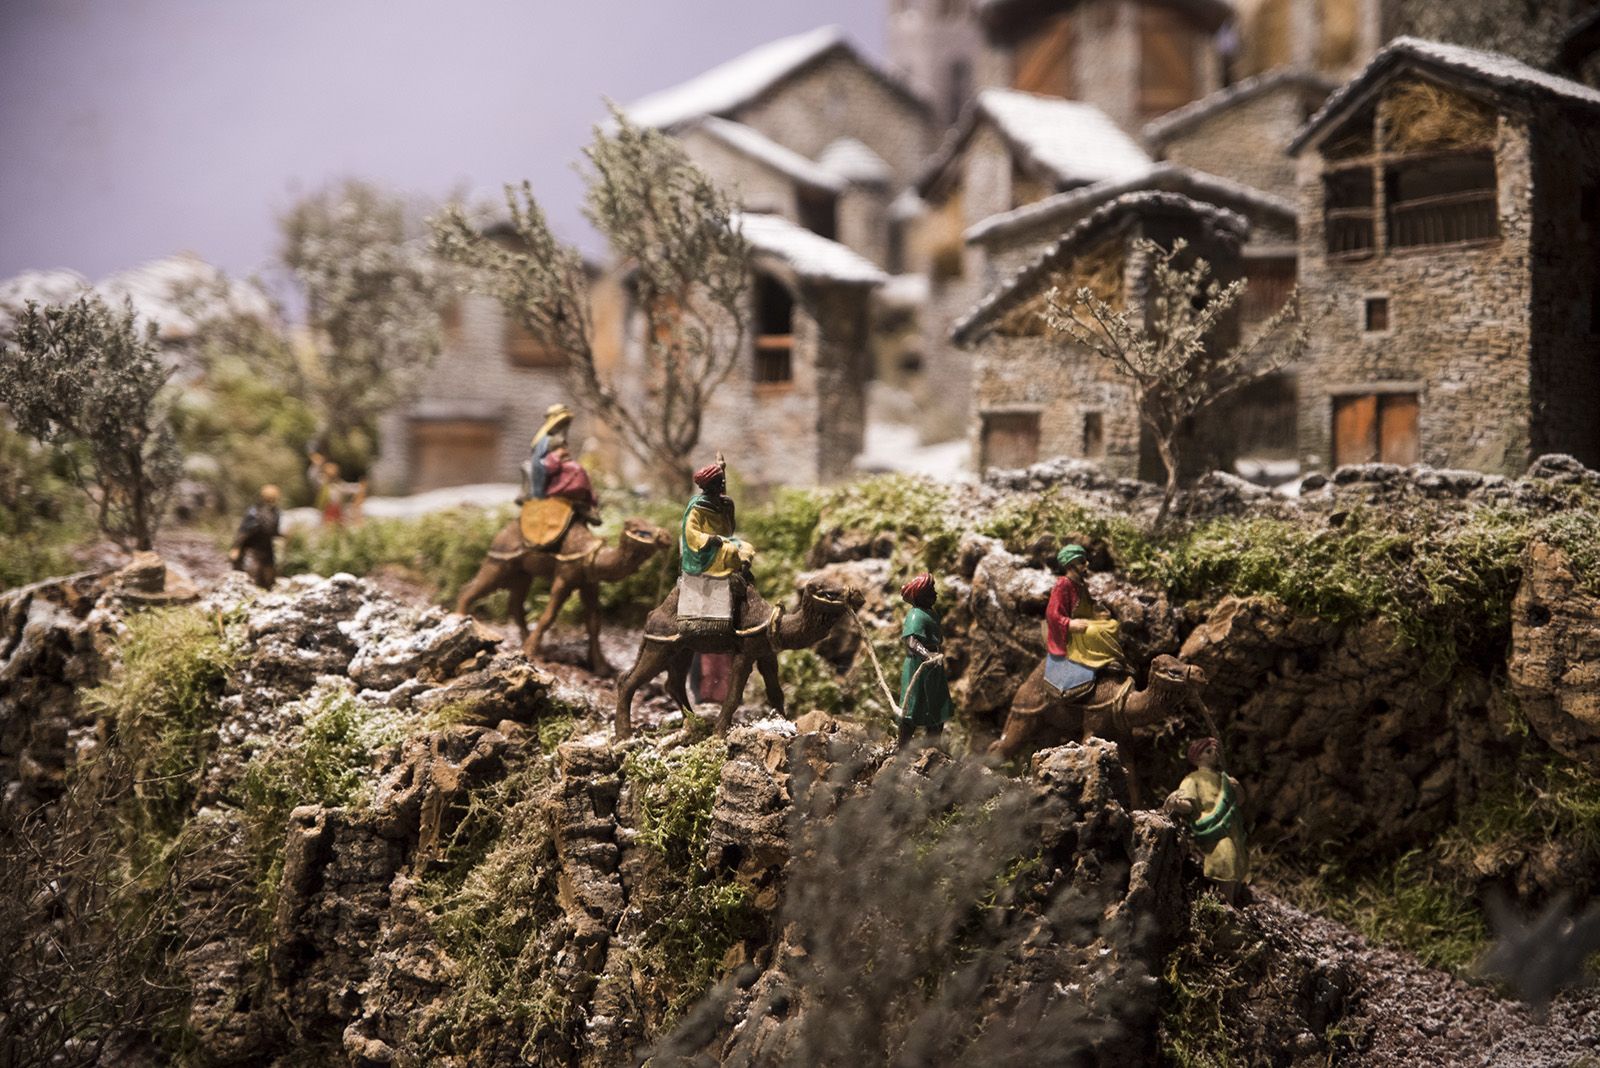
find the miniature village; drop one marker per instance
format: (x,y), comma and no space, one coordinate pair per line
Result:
(1075,544)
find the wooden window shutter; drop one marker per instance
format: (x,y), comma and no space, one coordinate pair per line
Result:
(1010,439)
(1044,62)
(1167,77)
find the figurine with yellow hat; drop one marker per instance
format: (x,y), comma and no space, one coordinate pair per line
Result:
(550,440)
(924,685)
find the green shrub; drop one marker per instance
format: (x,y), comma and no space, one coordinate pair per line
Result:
(1198,980)
(42,516)
(163,704)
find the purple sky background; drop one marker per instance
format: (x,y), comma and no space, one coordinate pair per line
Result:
(132,129)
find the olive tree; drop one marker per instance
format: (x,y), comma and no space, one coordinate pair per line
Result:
(1169,347)
(87,380)
(690,271)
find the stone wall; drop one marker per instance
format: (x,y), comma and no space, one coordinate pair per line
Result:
(474,379)
(1566,287)
(1459,329)
(1247,142)
(839,98)
(754,185)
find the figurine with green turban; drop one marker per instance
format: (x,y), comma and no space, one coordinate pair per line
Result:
(1082,639)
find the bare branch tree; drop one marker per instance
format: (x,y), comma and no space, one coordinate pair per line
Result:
(89,381)
(690,269)
(1168,349)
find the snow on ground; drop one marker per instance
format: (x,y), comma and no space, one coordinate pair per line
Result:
(481,495)
(896,447)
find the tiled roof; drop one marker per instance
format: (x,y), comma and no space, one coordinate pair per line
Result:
(1491,68)
(1222,222)
(1169,177)
(809,254)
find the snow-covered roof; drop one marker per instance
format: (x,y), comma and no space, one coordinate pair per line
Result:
(1168,177)
(1493,69)
(738,81)
(1221,222)
(907,205)
(855,163)
(1173,123)
(905,291)
(176,292)
(1076,143)
(760,147)
(810,255)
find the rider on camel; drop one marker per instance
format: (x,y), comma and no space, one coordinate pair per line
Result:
(1082,640)
(551,470)
(706,545)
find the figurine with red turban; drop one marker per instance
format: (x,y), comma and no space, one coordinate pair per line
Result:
(706,545)
(1210,798)
(924,686)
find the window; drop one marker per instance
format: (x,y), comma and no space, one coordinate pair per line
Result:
(1094,436)
(1441,200)
(1376,319)
(818,213)
(1375,427)
(525,350)
(1009,439)
(774,333)
(1348,210)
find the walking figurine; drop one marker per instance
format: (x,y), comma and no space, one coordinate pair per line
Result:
(252,550)
(1210,798)
(924,686)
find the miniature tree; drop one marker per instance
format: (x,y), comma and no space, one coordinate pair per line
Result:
(690,275)
(82,378)
(1169,351)
(372,298)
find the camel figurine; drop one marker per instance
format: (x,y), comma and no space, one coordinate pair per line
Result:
(763,632)
(1114,710)
(578,563)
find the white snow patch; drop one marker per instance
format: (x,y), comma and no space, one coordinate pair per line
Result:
(777,725)
(897,447)
(479,495)
(1076,141)
(811,255)
(855,162)
(738,81)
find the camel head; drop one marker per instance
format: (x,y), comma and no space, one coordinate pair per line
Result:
(643,537)
(1170,673)
(826,598)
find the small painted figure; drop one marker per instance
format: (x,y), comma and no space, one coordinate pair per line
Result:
(550,437)
(252,550)
(706,544)
(337,500)
(1081,639)
(924,685)
(1210,798)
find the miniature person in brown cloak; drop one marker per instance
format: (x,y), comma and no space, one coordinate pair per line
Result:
(252,550)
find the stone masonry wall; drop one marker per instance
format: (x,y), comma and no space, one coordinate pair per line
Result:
(1566,287)
(1246,142)
(837,98)
(473,378)
(754,185)
(1458,326)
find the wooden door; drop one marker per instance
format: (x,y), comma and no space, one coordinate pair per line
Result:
(455,452)
(1167,75)
(1355,430)
(1010,439)
(1397,429)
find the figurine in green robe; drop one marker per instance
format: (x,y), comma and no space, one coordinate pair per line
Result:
(1210,798)
(924,686)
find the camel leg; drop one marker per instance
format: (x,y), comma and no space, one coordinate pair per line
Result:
(768,663)
(517,592)
(741,675)
(653,656)
(1023,717)
(678,680)
(488,579)
(560,590)
(589,594)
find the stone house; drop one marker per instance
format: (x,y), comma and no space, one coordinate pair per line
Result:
(793,409)
(1038,394)
(1450,212)
(1010,149)
(1132,59)
(1333,36)
(1241,132)
(933,48)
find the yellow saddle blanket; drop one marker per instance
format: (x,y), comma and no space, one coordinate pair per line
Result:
(544,521)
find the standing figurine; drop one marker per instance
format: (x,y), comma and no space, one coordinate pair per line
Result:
(252,550)
(1210,798)
(1081,639)
(924,686)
